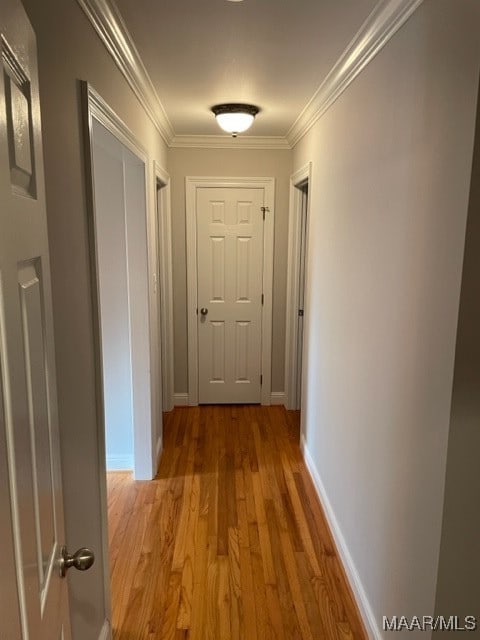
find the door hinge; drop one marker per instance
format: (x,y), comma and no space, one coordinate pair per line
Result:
(261,379)
(263,210)
(300,313)
(263,299)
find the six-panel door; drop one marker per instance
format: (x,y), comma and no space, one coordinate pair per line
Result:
(33,602)
(230,277)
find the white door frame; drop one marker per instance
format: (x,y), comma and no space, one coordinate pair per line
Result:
(144,445)
(164,222)
(294,239)
(95,107)
(191,186)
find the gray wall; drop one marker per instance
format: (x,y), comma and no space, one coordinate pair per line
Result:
(69,50)
(457,589)
(229,162)
(389,199)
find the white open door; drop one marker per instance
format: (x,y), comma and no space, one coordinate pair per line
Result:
(33,596)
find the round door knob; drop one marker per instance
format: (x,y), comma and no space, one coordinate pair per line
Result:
(203,311)
(81,560)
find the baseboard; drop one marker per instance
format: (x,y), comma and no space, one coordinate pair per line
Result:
(180,400)
(105,633)
(119,463)
(277,397)
(351,572)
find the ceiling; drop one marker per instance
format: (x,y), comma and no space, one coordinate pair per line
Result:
(271,53)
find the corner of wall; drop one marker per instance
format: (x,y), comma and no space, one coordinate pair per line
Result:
(352,575)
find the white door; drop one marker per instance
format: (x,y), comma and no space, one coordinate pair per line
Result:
(230,276)
(33,597)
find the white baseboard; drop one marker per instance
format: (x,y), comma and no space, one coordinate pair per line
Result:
(105,633)
(180,400)
(119,463)
(168,405)
(277,397)
(353,576)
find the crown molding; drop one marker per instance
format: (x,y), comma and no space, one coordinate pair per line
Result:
(112,30)
(227,142)
(383,22)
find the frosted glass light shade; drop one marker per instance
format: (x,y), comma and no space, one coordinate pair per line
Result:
(235,122)
(235,118)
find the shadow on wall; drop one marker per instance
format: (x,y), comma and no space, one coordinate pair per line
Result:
(458,589)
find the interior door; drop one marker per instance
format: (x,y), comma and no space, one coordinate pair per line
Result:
(230,277)
(33,597)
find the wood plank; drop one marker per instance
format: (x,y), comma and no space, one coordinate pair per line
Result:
(236,603)
(229,542)
(199,579)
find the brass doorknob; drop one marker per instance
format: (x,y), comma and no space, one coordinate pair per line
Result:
(81,560)
(203,311)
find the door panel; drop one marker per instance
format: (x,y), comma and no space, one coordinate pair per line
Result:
(243,269)
(9,602)
(217,250)
(218,352)
(242,329)
(33,603)
(33,325)
(230,280)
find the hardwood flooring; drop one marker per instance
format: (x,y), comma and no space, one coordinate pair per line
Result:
(229,541)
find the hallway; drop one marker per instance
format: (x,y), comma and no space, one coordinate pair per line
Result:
(229,540)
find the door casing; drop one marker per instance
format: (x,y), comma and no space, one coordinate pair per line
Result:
(304,174)
(95,107)
(165,281)
(191,186)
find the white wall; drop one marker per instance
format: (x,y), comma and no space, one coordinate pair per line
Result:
(113,290)
(389,197)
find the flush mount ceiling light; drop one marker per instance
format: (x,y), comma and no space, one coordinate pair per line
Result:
(235,118)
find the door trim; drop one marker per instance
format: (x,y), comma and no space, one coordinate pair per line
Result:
(165,282)
(191,186)
(294,238)
(144,434)
(93,106)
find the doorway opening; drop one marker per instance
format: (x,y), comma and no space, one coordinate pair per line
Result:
(303,188)
(123,259)
(124,266)
(297,255)
(122,271)
(164,288)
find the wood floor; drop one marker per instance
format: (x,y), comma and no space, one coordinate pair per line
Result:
(229,541)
